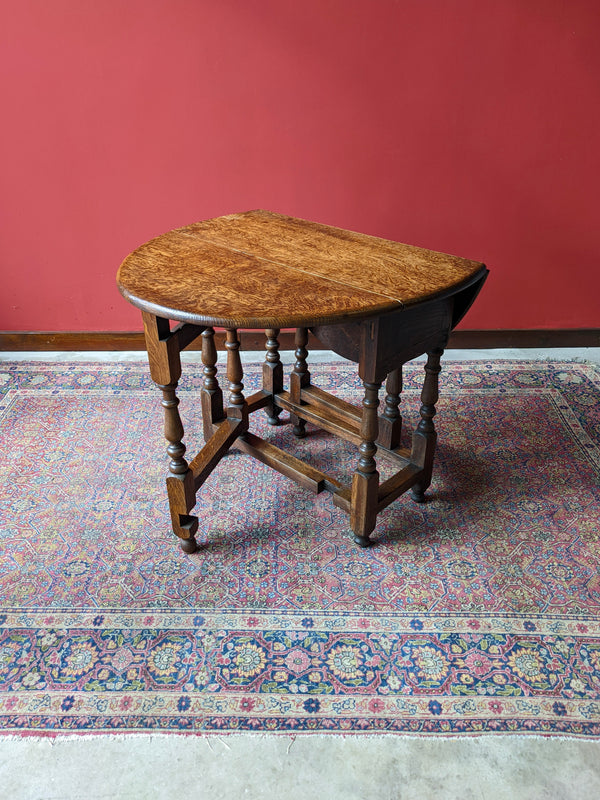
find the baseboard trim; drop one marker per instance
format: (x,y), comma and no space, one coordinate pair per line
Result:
(20,341)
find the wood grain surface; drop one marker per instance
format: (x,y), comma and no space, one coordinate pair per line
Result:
(263,270)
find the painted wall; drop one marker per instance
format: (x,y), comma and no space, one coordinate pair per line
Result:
(467,126)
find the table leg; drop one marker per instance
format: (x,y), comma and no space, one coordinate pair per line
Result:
(238,407)
(165,369)
(272,374)
(390,422)
(211,396)
(365,481)
(181,492)
(425,436)
(299,379)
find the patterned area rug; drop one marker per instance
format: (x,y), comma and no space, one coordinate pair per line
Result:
(478,611)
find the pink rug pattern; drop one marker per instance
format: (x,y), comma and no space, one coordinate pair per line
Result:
(476,612)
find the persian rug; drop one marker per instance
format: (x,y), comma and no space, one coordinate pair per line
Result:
(476,612)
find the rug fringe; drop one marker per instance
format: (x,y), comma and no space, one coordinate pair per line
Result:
(62,738)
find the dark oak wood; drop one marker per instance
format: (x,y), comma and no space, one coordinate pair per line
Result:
(212,395)
(331,420)
(425,436)
(260,399)
(299,379)
(375,302)
(385,343)
(173,429)
(305,475)
(396,485)
(237,404)
(365,481)
(390,422)
(329,403)
(165,369)
(273,374)
(225,434)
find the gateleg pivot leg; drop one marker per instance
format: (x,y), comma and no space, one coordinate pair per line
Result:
(365,481)
(211,395)
(272,374)
(425,436)
(299,379)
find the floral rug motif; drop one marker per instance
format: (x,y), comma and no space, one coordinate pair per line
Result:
(476,612)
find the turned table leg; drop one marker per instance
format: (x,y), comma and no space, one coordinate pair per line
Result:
(425,436)
(238,407)
(179,491)
(390,422)
(165,369)
(365,481)
(299,379)
(272,374)
(211,396)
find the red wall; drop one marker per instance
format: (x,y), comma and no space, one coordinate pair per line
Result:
(468,126)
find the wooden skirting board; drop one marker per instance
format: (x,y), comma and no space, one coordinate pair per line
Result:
(255,340)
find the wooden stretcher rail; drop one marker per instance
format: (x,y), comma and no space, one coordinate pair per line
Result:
(334,422)
(258,400)
(396,485)
(319,398)
(334,416)
(306,476)
(225,433)
(186,333)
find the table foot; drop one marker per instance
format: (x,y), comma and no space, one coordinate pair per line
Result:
(189,546)
(362,541)
(299,429)
(418,496)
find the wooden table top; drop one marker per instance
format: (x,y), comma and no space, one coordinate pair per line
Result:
(264,270)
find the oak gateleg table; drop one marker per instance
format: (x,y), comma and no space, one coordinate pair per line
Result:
(375,302)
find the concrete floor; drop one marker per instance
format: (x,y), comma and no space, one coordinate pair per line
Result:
(385,767)
(323,767)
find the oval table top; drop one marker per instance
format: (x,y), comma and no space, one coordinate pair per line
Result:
(263,270)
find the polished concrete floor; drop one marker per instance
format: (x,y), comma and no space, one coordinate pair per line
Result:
(386,767)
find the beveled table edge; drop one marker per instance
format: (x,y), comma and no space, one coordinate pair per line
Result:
(256,323)
(293,320)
